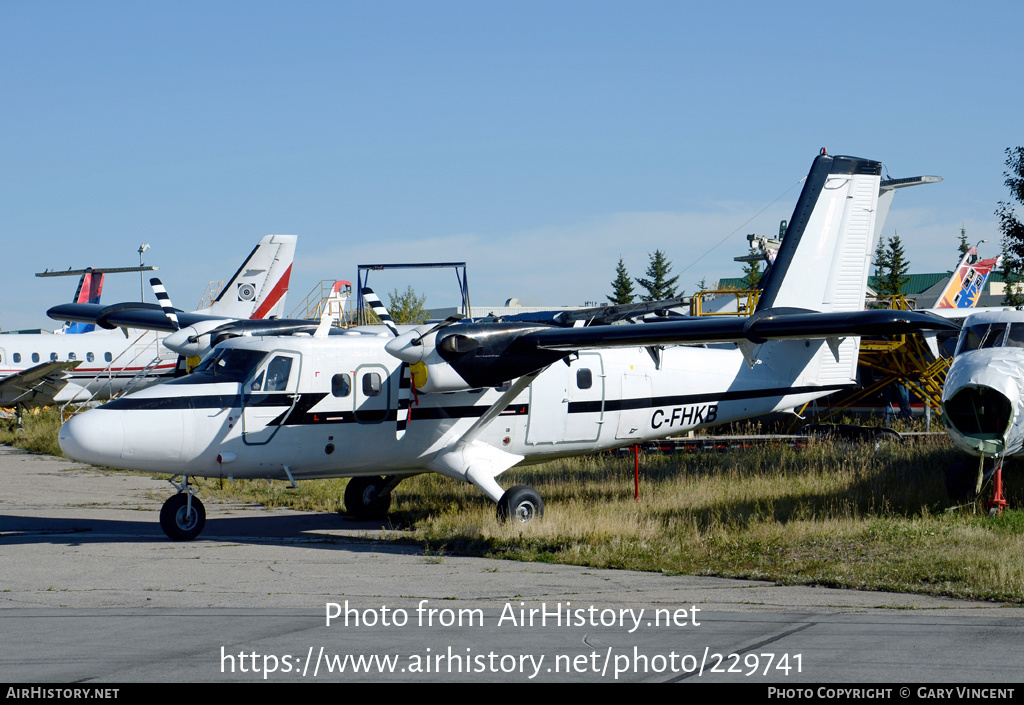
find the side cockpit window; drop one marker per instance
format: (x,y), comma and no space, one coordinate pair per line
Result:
(1015,336)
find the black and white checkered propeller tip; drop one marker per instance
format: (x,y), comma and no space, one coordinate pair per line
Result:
(165,302)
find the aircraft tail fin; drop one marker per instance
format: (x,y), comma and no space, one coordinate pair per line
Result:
(965,286)
(257,290)
(90,287)
(825,257)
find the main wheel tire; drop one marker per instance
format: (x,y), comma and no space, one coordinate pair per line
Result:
(363,498)
(521,503)
(178,522)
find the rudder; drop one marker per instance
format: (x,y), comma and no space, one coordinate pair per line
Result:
(257,290)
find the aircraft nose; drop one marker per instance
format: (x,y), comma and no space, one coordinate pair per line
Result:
(982,415)
(95,437)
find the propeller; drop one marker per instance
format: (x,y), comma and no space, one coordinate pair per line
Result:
(164,299)
(404,415)
(181,366)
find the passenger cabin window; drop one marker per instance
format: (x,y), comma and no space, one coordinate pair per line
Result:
(72,356)
(584,379)
(53,357)
(17,357)
(108,357)
(371,384)
(35,357)
(90,357)
(341,385)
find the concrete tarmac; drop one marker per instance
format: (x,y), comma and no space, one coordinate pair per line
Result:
(91,590)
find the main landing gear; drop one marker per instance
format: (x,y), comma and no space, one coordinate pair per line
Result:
(520,504)
(369,498)
(183,516)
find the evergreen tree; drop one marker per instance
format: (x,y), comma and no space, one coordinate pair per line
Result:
(1012,229)
(880,257)
(893,266)
(965,247)
(658,285)
(622,287)
(752,270)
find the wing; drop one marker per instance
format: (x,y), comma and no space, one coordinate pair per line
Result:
(127,315)
(472,355)
(195,334)
(39,383)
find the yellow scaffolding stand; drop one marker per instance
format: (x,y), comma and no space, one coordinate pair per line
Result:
(901,359)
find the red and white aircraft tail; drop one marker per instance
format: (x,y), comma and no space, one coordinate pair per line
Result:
(257,290)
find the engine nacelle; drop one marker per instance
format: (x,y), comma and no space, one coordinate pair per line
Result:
(193,341)
(471,356)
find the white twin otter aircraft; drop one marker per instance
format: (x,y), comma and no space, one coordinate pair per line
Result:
(470,400)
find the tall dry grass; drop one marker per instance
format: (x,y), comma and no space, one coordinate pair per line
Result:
(830,513)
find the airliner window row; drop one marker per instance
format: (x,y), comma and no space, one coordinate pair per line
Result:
(54,357)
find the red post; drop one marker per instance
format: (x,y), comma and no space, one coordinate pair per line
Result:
(998,503)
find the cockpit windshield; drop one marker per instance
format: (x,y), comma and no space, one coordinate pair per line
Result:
(983,335)
(226,365)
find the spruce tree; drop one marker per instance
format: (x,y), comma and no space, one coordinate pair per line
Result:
(622,287)
(752,271)
(658,284)
(965,247)
(894,267)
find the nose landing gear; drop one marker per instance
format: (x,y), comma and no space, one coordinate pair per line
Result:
(183,516)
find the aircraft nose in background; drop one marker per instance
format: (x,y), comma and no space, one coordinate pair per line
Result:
(95,437)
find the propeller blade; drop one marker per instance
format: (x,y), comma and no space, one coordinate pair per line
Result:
(379,309)
(165,302)
(404,414)
(404,401)
(454,318)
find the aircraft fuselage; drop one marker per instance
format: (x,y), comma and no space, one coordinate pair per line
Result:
(331,410)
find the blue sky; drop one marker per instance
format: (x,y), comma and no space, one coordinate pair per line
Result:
(537,141)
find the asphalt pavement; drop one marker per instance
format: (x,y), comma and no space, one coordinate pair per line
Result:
(92,591)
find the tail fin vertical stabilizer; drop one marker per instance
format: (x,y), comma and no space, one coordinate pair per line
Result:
(965,286)
(257,290)
(825,257)
(90,287)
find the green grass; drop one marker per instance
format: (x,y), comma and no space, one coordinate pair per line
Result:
(39,434)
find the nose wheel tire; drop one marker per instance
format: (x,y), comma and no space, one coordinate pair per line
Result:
(178,521)
(521,504)
(365,499)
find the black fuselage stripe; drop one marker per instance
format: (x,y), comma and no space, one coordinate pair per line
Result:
(302,415)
